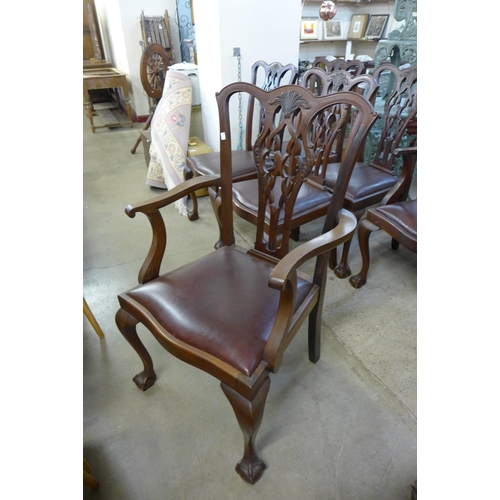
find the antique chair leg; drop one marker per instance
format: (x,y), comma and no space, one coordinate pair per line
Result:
(394,244)
(249,415)
(333,259)
(365,228)
(295,233)
(127,326)
(215,201)
(193,213)
(342,269)
(314,333)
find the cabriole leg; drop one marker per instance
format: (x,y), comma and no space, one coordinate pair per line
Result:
(249,415)
(364,230)
(216,202)
(127,325)
(342,270)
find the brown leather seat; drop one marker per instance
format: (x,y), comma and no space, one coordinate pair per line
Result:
(209,164)
(230,286)
(367,186)
(309,200)
(400,217)
(397,216)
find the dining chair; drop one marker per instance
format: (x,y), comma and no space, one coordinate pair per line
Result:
(396,215)
(233,312)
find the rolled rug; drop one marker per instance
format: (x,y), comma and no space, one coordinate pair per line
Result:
(169,135)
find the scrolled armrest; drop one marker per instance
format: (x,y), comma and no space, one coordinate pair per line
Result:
(151,209)
(323,243)
(172,195)
(405,151)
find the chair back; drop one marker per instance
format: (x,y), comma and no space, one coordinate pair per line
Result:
(267,77)
(285,154)
(355,68)
(398,91)
(320,82)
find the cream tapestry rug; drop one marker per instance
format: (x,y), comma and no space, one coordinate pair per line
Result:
(170,134)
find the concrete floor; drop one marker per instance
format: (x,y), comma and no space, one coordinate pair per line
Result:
(344,428)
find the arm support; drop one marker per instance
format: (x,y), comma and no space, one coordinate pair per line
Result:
(321,244)
(399,192)
(151,267)
(171,196)
(284,278)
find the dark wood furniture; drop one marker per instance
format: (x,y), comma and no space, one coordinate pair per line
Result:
(314,198)
(371,180)
(232,313)
(268,77)
(354,68)
(396,215)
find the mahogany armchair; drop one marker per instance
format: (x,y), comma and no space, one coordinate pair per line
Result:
(268,77)
(396,215)
(371,180)
(247,304)
(314,198)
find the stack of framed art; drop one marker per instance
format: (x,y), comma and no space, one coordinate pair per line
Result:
(362,27)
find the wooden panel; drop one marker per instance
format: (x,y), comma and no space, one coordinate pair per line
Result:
(92,42)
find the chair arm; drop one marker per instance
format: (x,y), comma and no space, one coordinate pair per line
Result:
(172,195)
(289,264)
(399,192)
(150,268)
(284,278)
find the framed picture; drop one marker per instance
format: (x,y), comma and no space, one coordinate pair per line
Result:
(376,26)
(309,28)
(358,25)
(332,30)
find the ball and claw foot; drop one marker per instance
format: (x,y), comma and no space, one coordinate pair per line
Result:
(144,381)
(251,469)
(357,281)
(342,271)
(193,216)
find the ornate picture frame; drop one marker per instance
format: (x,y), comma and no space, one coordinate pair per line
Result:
(357,27)
(376,26)
(309,28)
(333,30)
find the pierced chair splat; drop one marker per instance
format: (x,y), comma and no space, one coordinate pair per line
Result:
(372,179)
(355,68)
(248,304)
(314,198)
(268,77)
